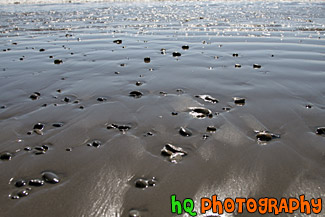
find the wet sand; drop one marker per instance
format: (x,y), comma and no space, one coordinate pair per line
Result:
(92,93)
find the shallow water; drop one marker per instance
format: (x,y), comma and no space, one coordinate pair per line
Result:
(108,137)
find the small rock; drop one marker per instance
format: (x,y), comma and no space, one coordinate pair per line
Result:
(320,131)
(50,177)
(20,183)
(36,182)
(117,41)
(239,101)
(134,213)
(147,59)
(185,47)
(185,132)
(57,125)
(101,99)
(237,65)
(264,136)
(95,143)
(35,96)
(256,66)
(135,94)
(176,54)
(6,156)
(211,129)
(141,183)
(58,61)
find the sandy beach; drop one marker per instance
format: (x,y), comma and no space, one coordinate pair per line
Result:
(108,109)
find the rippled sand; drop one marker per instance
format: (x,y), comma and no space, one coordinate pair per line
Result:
(91,94)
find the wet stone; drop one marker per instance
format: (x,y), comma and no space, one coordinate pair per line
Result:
(163,51)
(101,99)
(50,177)
(239,101)
(138,83)
(117,73)
(176,54)
(208,98)
(320,131)
(42,50)
(174,113)
(14,197)
(185,132)
(200,112)
(68,149)
(235,55)
(20,183)
(205,137)
(36,182)
(58,61)
(6,156)
(141,183)
(185,47)
(170,149)
(135,94)
(117,41)
(112,126)
(226,109)
(38,126)
(176,157)
(3,107)
(35,96)
(124,128)
(134,213)
(66,99)
(264,136)
(95,143)
(163,93)
(309,106)
(23,193)
(152,182)
(57,125)
(256,66)
(237,65)
(211,129)
(27,148)
(147,59)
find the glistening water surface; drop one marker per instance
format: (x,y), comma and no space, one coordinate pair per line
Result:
(112,107)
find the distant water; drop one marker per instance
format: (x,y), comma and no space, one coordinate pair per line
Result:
(84,1)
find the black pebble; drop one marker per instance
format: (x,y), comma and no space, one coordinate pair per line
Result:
(20,183)
(50,177)
(66,99)
(235,55)
(95,143)
(320,131)
(57,125)
(185,47)
(147,59)
(117,41)
(101,99)
(135,94)
(256,66)
(185,132)
(141,183)
(23,193)
(38,126)
(176,54)
(211,129)
(58,61)
(36,182)
(6,156)
(42,49)
(35,96)
(237,65)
